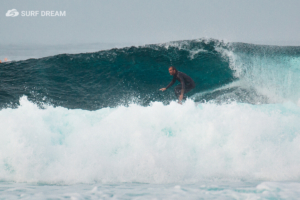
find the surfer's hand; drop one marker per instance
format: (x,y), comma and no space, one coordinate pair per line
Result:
(162,89)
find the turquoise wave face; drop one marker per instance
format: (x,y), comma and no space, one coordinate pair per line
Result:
(113,77)
(222,72)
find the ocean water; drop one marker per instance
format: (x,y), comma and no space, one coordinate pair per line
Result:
(95,125)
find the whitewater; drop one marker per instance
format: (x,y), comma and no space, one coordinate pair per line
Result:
(95,126)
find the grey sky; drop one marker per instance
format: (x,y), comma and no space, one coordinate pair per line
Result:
(152,21)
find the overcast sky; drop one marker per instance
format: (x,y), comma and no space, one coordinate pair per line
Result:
(152,21)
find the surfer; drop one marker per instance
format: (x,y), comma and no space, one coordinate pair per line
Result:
(186,83)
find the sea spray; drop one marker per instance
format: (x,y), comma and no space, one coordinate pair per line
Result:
(150,144)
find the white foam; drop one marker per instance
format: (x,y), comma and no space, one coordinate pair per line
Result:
(154,144)
(274,76)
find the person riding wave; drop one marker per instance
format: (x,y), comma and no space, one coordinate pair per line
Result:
(186,83)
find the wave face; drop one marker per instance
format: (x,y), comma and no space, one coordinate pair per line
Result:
(99,117)
(260,74)
(114,77)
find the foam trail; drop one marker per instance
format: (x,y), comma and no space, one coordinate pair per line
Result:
(153,144)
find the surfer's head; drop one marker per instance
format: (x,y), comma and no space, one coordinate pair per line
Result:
(172,70)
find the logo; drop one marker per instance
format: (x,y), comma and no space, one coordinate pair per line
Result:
(35,13)
(12,13)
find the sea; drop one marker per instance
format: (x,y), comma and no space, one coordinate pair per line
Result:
(89,121)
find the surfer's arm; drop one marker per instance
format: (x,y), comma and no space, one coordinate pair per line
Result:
(182,84)
(172,82)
